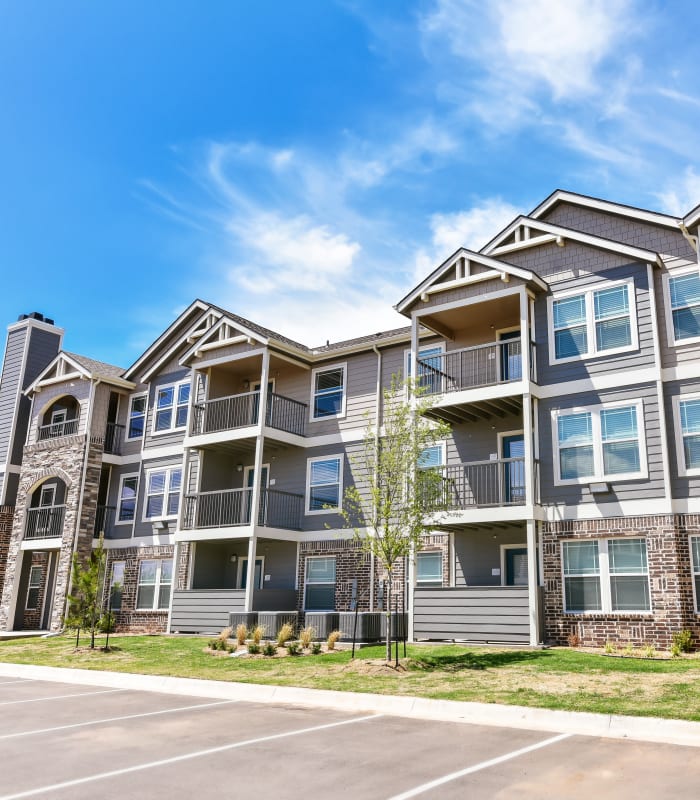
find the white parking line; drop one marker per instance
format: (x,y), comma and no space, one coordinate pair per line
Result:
(8,683)
(115,719)
(185,757)
(425,787)
(59,697)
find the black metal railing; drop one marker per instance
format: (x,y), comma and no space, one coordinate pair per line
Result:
(232,507)
(45,522)
(55,429)
(243,410)
(114,436)
(479,484)
(471,367)
(281,510)
(104,520)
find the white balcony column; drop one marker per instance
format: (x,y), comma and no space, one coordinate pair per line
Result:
(174,584)
(533,582)
(415,345)
(528,442)
(525,335)
(411,590)
(256,494)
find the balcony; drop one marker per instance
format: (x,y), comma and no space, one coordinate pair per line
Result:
(114,436)
(232,508)
(44,522)
(243,411)
(104,520)
(55,430)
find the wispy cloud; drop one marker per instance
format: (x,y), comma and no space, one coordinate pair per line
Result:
(681,193)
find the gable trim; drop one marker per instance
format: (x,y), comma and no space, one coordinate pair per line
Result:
(619,209)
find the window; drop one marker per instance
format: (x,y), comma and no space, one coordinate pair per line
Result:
(137,417)
(684,297)
(155,582)
(116,585)
(430,368)
(593,322)
(695,561)
(128,489)
(171,407)
(599,443)
(328,398)
(687,425)
(431,457)
(606,575)
(34,588)
(163,493)
(429,569)
(320,583)
(324,485)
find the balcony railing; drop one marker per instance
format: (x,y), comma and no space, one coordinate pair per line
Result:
(45,522)
(114,436)
(471,367)
(104,520)
(479,484)
(55,429)
(232,508)
(243,410)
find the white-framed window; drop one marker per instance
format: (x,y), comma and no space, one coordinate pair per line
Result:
(319,584)
(116,585)
(324,484)
(171,406)
(34,588)
(429,568)
(430,369)
(162,493)
(606,576)
(433,456)
(126,502)
(136,423)
(686,412)
(154,584)
(694,542)
(328,392)
(599,443)
(601,320)
(682,298)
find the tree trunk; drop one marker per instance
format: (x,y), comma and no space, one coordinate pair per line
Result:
(388,619)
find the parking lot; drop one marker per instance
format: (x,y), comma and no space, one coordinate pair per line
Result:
(80,741)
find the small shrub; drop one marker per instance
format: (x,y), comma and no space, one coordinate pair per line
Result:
(294,648)
(316,648)
(241,633)
(684,640)
(253,648)
(332,639)
(573,640)
(628,650)
(226,634)
(284,634)
(213,644)
(258,633)
(306,636)
(609,648)
(649,651)
(269,649)
(676,651)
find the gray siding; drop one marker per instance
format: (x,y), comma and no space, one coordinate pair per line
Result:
(204,611)
(9,386)
(681,487)
(162,439)
(478,553)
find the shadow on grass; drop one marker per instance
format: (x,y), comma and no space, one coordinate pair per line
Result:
(475,661)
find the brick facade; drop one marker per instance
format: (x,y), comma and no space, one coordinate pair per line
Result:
(6,516)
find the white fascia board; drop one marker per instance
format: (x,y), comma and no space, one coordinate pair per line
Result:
(206,338)
(80,372)
(35,323)
(692,218)
(641,214)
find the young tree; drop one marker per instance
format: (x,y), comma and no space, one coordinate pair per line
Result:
(85,600)
(392,494)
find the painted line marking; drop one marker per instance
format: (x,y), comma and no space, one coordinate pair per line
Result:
(59,697)
(492,762)
(116,719)
(185,757)
(9,683)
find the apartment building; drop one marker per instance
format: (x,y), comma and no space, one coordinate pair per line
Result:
(566,357)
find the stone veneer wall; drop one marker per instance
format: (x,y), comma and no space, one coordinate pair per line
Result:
(670,582)
(6,515)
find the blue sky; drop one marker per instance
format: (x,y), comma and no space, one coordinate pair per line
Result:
(304,164)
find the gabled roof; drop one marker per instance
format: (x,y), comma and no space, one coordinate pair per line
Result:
(66,366)
(97,369)
(692,218)
(498,266)
(557,233)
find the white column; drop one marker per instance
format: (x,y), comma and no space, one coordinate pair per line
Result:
(411,588)
(256,495)
(532,582)
(174,585)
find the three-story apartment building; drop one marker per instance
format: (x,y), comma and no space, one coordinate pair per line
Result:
(566,357)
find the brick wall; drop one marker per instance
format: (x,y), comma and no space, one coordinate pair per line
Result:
(6,515)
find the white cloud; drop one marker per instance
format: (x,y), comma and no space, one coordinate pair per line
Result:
(471,228)
(681,195)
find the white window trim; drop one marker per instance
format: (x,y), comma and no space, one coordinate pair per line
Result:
(329,368)
(157,585)
(167,471)
(503,549)
(319,583)
(670,335)
(683,471)
(122,478)
(443,454)
(693,573)
(599,475)
(604,576)
(175,387)
(32,570)
(307,500)
(588,291)
(408,355)
(241,570)
(128,417)
(112,583)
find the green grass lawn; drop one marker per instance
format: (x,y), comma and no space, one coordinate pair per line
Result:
(559,678)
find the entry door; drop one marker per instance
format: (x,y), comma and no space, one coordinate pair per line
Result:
(47,497)
(516,566)
(513,446)
(257,583)
(511,361)
(49,590)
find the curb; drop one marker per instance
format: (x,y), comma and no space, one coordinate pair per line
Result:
(610,726)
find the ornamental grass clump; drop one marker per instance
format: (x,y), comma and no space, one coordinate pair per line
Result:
(306,636)
(257,634)
(333,637)
(241,633)
(285,633)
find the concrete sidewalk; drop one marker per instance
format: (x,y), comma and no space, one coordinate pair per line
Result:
(646,729)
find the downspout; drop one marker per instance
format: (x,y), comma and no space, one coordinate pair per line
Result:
(378,401)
